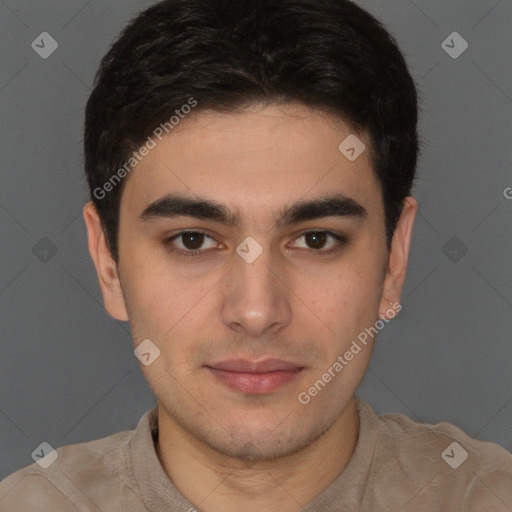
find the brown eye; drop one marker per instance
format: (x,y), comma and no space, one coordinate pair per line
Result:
(192,240)
(316,239)
(190,243)
(315,242)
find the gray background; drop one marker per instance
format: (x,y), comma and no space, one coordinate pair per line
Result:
(67,370)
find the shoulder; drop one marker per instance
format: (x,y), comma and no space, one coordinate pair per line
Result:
(453,465)
(443,442)
(81,475)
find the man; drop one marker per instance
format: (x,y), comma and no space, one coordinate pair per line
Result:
(250,166)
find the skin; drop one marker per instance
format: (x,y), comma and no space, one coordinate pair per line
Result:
(224,449)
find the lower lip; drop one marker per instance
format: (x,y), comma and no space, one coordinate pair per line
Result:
(255,383)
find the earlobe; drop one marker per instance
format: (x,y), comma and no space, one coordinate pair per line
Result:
(398,255)
(106,267)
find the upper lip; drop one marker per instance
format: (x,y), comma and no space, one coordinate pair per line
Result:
(248,366)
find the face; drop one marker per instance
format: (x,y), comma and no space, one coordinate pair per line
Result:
(252,297)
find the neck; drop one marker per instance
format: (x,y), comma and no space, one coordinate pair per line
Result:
(215,482)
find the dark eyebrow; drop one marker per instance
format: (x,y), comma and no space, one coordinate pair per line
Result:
(176,205)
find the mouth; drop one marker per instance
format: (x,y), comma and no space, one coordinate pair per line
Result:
(255,377)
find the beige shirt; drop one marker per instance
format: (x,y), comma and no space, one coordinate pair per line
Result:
(397,465)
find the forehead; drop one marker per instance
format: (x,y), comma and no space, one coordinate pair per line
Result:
(256,161)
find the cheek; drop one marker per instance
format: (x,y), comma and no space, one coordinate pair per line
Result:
(349,299)
(356,285)
(162,301)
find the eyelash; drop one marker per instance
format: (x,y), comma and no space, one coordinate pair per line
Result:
(340,239)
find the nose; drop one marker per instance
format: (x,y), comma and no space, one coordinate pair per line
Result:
(257,298)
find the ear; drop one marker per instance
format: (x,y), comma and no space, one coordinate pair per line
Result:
(398,256)
(106,267)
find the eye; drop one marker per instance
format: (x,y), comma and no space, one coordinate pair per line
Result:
(191,243)
(188,243)
(316,241)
